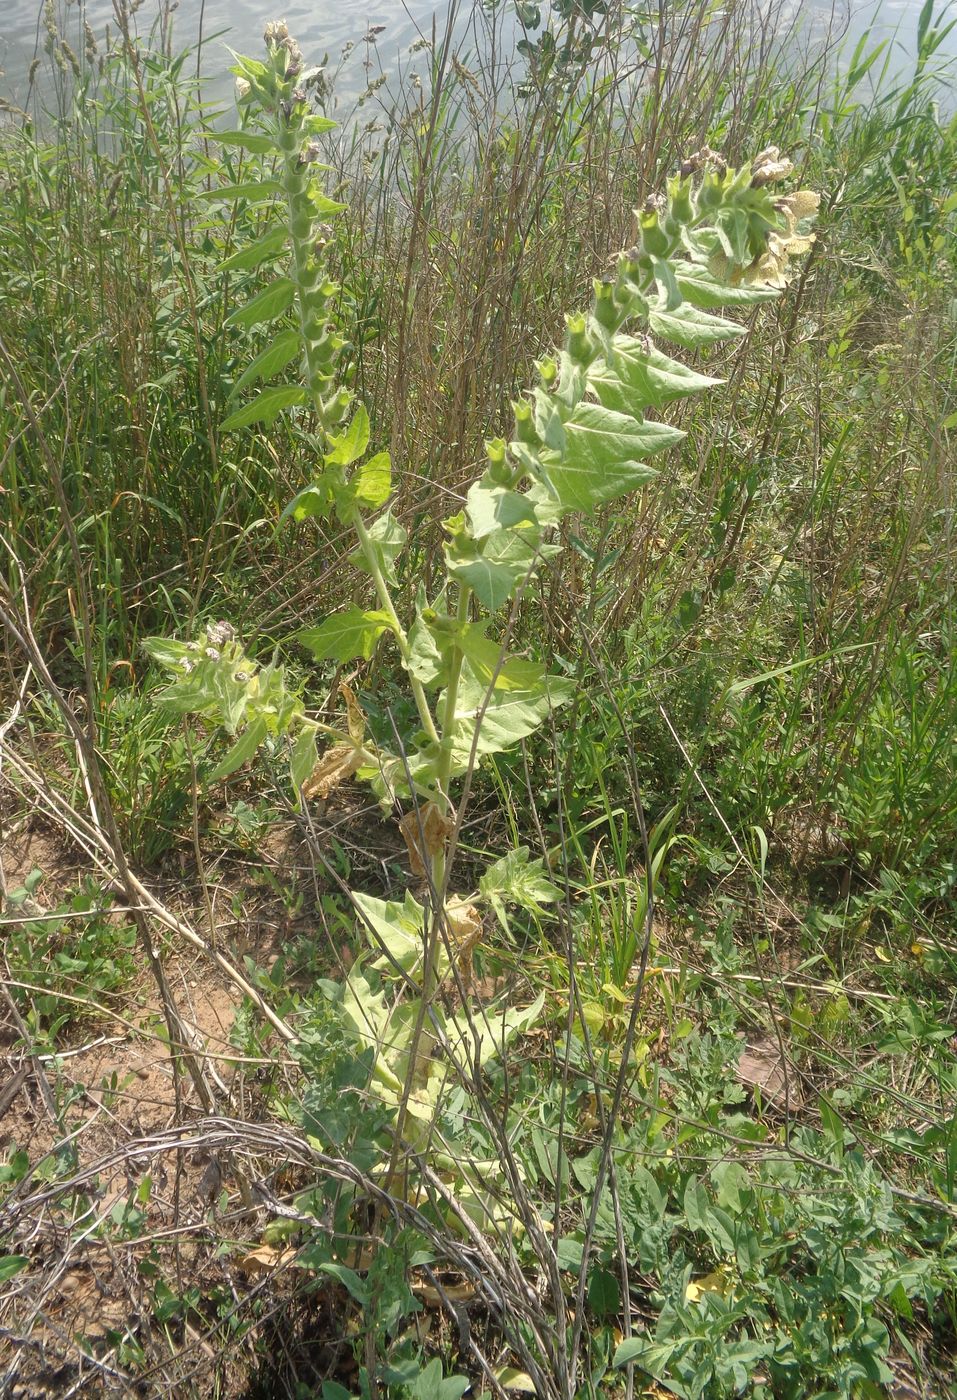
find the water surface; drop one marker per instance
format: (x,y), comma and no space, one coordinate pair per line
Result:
(327,26)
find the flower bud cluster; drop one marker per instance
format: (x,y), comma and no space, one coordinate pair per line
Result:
(282,46)
(280,87)
(717,194)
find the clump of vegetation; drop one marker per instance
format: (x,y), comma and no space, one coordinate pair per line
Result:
(609,1046)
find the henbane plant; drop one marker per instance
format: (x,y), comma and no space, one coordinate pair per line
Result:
(580,440)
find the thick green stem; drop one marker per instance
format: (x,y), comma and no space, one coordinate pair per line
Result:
(371,557)
(444,774)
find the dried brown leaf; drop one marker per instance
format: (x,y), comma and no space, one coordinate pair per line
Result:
(334,767)
(355,719)
(761,1067)
(429,825)
(264,1259)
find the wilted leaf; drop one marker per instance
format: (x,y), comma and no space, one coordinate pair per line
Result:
(355,717)
(334,767)
(761,1067)
(425,823)
(464,923)
(264,1260)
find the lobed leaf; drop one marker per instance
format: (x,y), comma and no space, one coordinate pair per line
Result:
(641,375)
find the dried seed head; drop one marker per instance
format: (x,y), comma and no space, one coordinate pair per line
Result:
(700,160)
(276,36)
(769,166)
(70,57)
(275,33)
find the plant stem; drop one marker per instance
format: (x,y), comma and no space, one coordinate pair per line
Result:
(371,558)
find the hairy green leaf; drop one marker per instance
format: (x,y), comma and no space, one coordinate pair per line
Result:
(396,930)
(346,635)
(313,502)
(275,357)
(701,287)
(372,483)
(508,716)
(641,375)
(266,406)
(514,879)
(491,507)
(164,651)
(388,539)
(246,189)
(427,661)
(348,447)
(244,748)
(269,246)
(688,326)
(249,140)
(493,574)
(303,758)
(271,302)
(599,462)
(488,666)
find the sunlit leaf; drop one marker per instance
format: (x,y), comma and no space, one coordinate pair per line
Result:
(244,748)
(266,407)
(248,140)
(271,302)
(269,246)
(346,635)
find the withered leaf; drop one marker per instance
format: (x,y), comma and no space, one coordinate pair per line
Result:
(424,823)
(761,1067)
(334,767)
(355,719)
